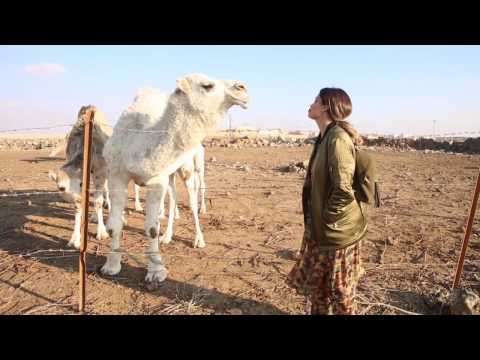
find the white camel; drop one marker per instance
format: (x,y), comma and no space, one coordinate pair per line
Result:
(150,103)
(151,156)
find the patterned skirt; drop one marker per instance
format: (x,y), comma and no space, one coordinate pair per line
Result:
(328,278)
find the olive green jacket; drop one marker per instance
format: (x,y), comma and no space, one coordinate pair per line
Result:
(334,219)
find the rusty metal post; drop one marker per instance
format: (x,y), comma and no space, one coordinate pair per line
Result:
(468,231)
(87,146)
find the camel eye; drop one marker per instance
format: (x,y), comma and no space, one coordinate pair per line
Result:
(208,87)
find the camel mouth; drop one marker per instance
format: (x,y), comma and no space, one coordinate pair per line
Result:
(242,103)
(237,92)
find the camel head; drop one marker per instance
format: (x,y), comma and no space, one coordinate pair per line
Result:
(205,95)
(236,92)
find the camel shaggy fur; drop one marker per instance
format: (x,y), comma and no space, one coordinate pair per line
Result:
(151,103)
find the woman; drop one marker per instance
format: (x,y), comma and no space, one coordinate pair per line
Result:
(328,267)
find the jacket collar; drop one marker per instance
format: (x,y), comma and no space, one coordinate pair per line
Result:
(320,137)
(314,152)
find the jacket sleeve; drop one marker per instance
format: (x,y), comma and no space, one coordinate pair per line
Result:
(341,167)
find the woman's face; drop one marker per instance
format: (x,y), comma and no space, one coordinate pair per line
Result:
(317,110)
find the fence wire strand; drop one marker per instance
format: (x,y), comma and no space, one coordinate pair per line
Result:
(37,128)
(229,132)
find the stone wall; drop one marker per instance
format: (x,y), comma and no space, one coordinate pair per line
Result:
(238,140)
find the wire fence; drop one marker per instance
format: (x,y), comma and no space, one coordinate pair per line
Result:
(239,190)
(37,128)
(63,253)
(231,132)
(66,253)
(279,184)
(210,191)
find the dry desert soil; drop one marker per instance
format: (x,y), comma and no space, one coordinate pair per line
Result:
(252,229)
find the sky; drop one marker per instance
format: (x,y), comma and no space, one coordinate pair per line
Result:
(394,89)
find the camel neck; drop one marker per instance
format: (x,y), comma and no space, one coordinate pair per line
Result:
(179,120)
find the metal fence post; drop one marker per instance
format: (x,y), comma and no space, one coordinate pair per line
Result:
(87,145)
(468,231)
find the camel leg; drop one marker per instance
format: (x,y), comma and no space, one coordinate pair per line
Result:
(200,171)
(138,205)
(115,224)
(174,195)
(99,184)
(75,239)
(167,236)
(156,272)
(193,199)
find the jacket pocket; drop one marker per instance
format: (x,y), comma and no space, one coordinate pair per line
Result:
(343,219)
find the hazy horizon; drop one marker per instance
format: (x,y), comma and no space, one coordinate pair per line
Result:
(394,89)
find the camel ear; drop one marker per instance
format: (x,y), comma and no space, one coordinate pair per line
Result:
(183,85)
(52,175)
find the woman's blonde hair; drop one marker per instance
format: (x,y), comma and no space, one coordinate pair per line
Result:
(339,108)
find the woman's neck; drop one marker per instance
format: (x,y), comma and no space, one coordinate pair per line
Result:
(322,126)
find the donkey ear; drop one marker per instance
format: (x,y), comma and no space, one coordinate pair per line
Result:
(74,165)
(183,85)
(52,175)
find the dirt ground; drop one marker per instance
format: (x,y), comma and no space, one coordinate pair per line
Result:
(252,229)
